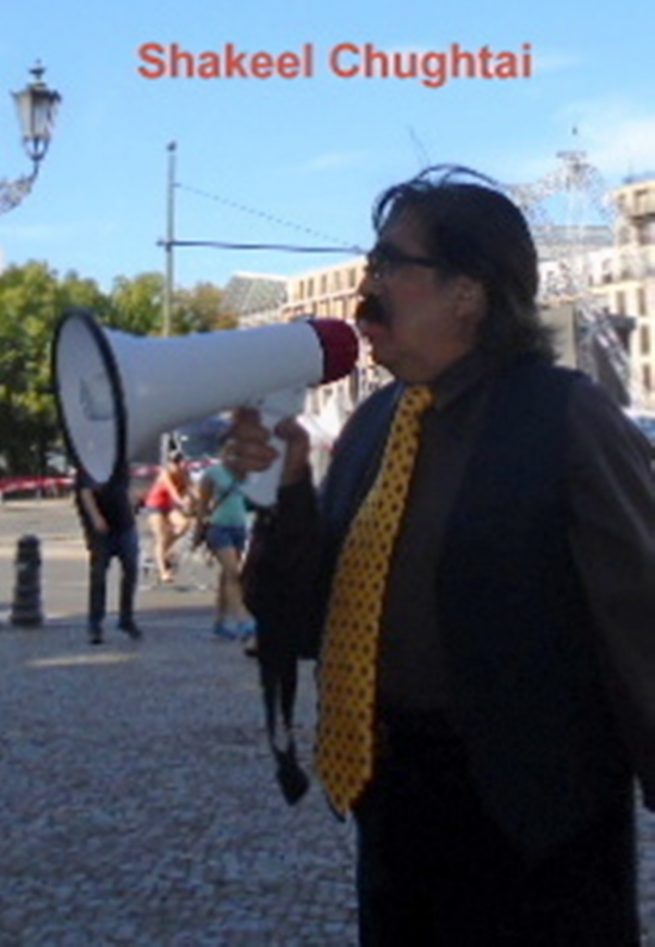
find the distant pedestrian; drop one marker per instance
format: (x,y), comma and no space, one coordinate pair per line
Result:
(170,504)
(222,521)
(110,530)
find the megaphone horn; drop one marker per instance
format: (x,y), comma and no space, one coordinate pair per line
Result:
(116,391)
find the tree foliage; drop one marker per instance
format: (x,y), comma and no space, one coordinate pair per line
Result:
(32,299)
(200,310)
(136,304)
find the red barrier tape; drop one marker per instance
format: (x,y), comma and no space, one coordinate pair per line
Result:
(34,484)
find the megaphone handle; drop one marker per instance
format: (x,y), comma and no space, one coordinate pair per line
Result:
(261,488)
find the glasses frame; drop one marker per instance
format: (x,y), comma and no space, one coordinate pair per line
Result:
(384,259)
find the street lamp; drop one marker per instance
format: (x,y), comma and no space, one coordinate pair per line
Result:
(36,106)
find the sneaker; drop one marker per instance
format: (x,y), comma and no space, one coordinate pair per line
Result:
(95,634)
(247,628)
(130,628)
(226,629)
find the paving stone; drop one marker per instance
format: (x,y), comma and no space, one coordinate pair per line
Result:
(138,802)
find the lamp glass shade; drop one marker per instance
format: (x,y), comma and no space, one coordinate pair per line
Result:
(36,106)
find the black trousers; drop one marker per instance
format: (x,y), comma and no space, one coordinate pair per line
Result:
(434,870)
(102,548)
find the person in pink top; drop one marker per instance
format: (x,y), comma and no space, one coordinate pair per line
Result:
(170,505)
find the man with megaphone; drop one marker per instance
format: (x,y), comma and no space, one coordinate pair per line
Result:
(477,579)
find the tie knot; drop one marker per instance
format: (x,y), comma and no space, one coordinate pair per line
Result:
(416,399)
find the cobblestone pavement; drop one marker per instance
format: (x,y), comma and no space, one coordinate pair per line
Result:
(137,801)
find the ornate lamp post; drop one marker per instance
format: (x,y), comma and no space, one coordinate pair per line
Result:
(36,106)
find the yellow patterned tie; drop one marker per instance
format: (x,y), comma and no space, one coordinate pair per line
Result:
(348,667)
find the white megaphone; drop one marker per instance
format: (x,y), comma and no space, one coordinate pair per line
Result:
(116,391)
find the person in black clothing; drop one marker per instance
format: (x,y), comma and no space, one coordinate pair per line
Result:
(110,530)
(506,676)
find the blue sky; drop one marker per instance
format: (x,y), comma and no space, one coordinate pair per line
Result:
(314,151)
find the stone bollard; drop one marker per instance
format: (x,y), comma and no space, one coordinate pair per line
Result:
(26,607)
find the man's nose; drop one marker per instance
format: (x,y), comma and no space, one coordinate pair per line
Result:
(367,286)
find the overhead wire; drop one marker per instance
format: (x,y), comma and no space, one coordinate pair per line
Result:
(262,215)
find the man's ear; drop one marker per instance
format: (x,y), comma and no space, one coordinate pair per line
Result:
(471,299)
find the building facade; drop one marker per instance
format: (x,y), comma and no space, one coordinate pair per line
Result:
(328,292)
(617,279)
(622,279)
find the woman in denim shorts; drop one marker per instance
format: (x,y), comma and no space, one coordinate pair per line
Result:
(222,508)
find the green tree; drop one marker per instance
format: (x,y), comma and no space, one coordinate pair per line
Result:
(200,309)
(137,307)
(31,301)
(136,304)
(77,291)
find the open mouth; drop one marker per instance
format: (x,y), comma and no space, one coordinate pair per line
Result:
(370,311)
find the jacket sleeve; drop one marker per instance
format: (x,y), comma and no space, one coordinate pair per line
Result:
(612,499)
(294,549)
(281,574)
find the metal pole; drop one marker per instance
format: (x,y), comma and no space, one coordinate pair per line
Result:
(169,279)
(170,237)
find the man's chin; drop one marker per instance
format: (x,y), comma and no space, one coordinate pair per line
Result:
(384,359)
(407,374)
(377,351)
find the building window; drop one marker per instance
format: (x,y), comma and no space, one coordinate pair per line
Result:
(323,284)
(336,281)
(641,301)
(641,201)
(620,303)
(644,340)
(352,277)
(647,377)
(310,288)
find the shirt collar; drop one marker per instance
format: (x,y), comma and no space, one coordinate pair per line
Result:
(460,377)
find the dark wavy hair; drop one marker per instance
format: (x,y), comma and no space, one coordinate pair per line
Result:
(471,228)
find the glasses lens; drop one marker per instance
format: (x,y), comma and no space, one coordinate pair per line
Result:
(379,262)
(384,259)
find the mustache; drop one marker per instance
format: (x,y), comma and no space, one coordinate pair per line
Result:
(370,309)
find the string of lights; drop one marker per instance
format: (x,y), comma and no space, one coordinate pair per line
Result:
(283,247)
(274,219)
(13,192)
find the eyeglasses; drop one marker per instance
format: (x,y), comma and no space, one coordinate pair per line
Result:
(385,259)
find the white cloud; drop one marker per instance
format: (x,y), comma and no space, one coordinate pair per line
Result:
(618,136)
